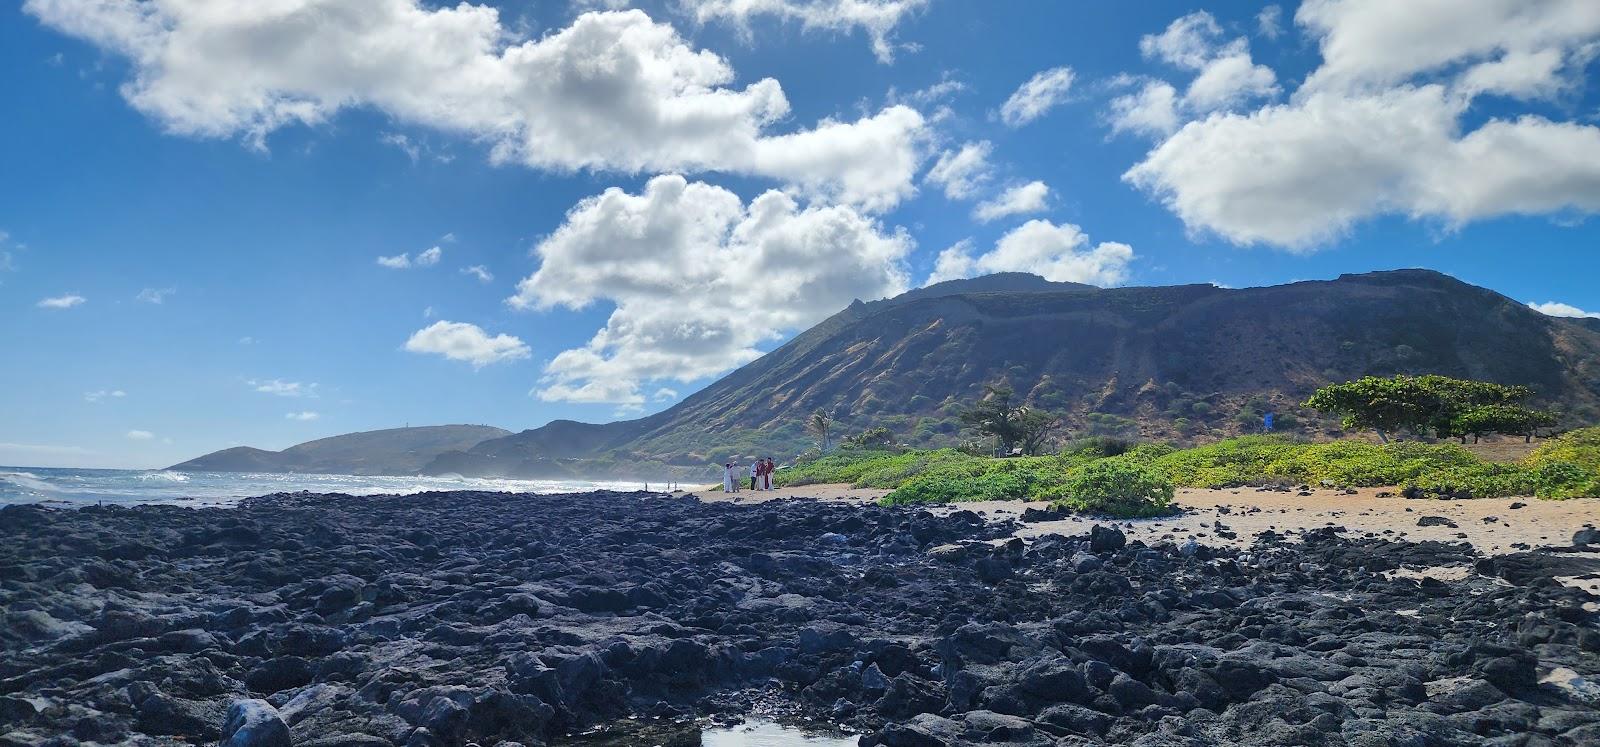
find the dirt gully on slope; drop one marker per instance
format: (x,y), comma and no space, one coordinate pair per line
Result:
(454,618)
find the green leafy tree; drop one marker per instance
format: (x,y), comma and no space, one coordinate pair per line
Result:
(1511,420)
(1010,424)
(820,423)
(1415,403)
(871,438)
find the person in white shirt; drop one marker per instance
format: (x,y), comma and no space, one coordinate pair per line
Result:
(727,478)
(755,471)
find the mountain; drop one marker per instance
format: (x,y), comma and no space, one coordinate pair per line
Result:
(1176,362)
(394,451)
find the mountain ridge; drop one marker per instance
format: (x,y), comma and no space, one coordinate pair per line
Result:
(388,451)
(1179,362)
(1183,363)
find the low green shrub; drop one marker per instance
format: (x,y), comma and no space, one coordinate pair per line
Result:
(1119,487)
(1564,467)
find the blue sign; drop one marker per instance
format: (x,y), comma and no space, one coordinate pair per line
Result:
(1266,421)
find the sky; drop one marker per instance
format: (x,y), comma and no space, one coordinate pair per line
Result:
(234,222)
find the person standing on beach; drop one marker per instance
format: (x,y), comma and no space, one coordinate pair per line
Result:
(770,468)
(755,472)
(727,478)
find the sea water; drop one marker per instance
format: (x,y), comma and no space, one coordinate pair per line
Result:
(86,487)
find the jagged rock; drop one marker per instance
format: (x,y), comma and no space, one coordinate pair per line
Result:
(254,723)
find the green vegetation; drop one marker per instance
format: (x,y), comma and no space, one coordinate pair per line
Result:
(1108,475)
(1446,406)
(1013,426)
(1117,486)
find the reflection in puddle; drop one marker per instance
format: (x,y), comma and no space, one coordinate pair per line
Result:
(752,733)
(769,734)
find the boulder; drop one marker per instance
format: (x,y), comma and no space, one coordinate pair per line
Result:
(254,723)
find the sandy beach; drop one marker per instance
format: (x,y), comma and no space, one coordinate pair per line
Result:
(1494,526)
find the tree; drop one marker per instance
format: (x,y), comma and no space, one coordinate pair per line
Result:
(871,438)
(1415,403)
(1010,425)
(820,422)
(1510,420)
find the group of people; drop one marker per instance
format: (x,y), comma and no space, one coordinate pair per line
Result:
(760,475)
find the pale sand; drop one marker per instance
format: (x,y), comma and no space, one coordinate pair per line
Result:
(1249,512)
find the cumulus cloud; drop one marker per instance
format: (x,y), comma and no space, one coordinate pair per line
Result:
(460,341)
(1152,110)
(1374,44)
(699,280)
(61,302)
(1269,22)
(1038,95)
(154,295)
(100,394)
(403,261)
(1556,308)
(281,388)
(1055,252)
(962,171)
(876,18)
(480,272)
(302,415)
(138,435)
(1225,77)
(614,91)
(1019,200)
(1378,128)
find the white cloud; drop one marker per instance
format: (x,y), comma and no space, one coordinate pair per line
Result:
(247,340)
(480,272)
(1027,198)
(1555,308)
(1230,79)
(699,280)
(1269,22)
(138,435)
(1188,42)
(665,394)
(283,388)
(934,94)
(154,295)
(961,172)
(1054,252)
(100,394)
(614,91)
(1225,75)
(61,302)
(1370,44)
(403,261)
(302,415)
(1038,95)
(1378,128)
(460,341)
(1153,110)
(877,18)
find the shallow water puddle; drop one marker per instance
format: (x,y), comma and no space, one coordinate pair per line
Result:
(751,733)
(770,734)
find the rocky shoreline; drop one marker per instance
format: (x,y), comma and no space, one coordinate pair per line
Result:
(455,618)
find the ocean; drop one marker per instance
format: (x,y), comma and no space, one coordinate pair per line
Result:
(72,488)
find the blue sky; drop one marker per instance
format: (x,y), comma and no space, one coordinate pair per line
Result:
(197,196)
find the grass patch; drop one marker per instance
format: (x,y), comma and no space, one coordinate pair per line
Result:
(1136,480)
